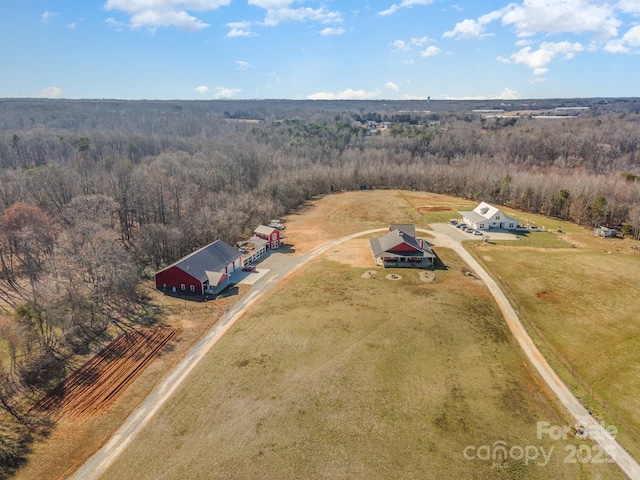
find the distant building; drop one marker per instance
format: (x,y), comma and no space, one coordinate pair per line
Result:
(204,271)
(399,249)
(604,232)
(485,217)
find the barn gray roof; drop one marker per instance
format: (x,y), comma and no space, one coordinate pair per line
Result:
(210,258)
(476,217)
(264,230)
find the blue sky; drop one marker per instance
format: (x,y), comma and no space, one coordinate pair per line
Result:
(308,49)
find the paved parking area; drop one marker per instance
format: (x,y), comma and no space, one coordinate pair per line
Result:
(248,278)
(459,235)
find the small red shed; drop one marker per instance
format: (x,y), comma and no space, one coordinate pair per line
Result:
(270,234)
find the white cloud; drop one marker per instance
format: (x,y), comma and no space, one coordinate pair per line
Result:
(420,42)
(119,26)
(467,29)
(563,16)
(348,94)
(628,41)
(271,4)
(629,6)
(202,89)
(276,16)
(632,37)
(392,86)
(46,16)
(430,51)
(71,26)
(508,94)
(401,45)
(473,29)
(540,58)
(240,29)
(51,92)
(225,92)
(281,11)
(242,65)
(332,31)
(165,13)
(404,4)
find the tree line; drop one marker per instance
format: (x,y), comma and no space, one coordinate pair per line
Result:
(89,205)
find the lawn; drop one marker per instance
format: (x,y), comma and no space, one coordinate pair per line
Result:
(339,376)
(586,304)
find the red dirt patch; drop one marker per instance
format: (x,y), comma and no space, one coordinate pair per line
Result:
(547,296)
(96,384)
(433,209)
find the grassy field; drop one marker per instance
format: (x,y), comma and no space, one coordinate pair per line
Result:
(586,304)
(340,376)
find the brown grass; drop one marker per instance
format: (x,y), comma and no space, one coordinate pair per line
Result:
(365,382)
(370,379)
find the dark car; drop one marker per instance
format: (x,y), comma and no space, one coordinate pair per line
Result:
(249,268)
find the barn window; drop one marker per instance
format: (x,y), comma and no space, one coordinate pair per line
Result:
(193,288)
(182,286)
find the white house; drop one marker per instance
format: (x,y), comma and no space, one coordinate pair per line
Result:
(485,217)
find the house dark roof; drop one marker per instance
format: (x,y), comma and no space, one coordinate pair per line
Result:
(408,228)
(211,258)
(384,246)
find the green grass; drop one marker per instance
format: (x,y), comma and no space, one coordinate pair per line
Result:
(339,376)
(531,239)
(586,304)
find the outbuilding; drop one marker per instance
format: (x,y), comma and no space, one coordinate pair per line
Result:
(205,271)
(270,234)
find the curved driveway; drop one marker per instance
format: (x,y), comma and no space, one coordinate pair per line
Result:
(104,457)
(597,432)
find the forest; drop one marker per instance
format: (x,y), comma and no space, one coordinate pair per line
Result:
(96,195)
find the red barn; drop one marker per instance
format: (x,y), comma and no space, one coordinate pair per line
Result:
(399,249)
(270,234)
(206,270)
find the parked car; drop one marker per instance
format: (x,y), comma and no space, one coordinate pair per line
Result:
(461,225)
(477,232)
(249,268)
